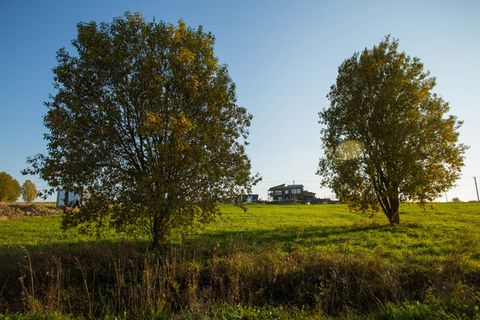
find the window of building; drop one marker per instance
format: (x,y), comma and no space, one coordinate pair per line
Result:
(297,190)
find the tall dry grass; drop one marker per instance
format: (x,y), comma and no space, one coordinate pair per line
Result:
(127,279)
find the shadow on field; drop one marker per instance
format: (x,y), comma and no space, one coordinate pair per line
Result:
(298,235)
(222,240)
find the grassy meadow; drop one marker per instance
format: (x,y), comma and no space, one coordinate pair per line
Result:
(271,262)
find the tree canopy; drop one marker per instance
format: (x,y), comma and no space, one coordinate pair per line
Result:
(29,191)
(386,135)
(9,188)
(146,125)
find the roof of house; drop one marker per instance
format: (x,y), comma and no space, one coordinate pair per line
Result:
(295,186)
(280,186)
(283,186)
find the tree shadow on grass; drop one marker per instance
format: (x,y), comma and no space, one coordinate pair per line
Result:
(194,244)
(311,236)
(201,244)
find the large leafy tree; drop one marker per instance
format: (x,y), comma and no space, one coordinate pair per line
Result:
(386,135)
(146,125)
(10,189)
(29,191)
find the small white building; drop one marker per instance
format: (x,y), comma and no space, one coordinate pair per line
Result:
(67,198)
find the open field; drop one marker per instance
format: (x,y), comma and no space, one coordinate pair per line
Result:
(273,262)
(436,233)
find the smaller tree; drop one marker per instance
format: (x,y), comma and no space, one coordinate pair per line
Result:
(456,199)
(10,189)
(387,136)
(29,191)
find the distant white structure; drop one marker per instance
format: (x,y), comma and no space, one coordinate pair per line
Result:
(67,198)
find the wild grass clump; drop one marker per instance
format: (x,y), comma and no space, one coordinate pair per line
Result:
(126,280)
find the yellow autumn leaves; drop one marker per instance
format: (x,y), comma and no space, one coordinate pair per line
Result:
(177,127)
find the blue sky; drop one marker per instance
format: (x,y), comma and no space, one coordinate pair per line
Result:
(283,56)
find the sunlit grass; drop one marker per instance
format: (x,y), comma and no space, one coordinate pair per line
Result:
(425,236)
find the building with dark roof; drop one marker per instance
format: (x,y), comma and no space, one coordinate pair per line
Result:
(292,193)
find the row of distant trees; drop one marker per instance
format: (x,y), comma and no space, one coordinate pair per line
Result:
(10,189)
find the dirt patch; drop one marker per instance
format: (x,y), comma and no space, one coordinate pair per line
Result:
(11,211)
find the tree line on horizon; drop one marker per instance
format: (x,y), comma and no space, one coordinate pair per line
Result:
(145,120)
(10,189)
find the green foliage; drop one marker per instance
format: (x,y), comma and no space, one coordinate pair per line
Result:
(9,188)
(29,191)
(386,135)
(227,312)
(145,123)
(435,310)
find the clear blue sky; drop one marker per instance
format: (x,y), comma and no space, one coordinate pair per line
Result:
(283,56)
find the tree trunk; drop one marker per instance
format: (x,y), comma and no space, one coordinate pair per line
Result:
(159,229)
(392,214)
(394,218)
(390,205)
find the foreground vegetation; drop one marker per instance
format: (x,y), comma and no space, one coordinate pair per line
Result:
(273,262)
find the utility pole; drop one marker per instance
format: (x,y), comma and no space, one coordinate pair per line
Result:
(294,190)
(476,188)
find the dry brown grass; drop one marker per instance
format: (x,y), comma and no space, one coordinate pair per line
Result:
(127,280)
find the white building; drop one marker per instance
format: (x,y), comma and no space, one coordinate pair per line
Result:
(67,198)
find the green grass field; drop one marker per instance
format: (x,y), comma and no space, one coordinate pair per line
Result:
(424,235)
(438,232)
(427,242)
